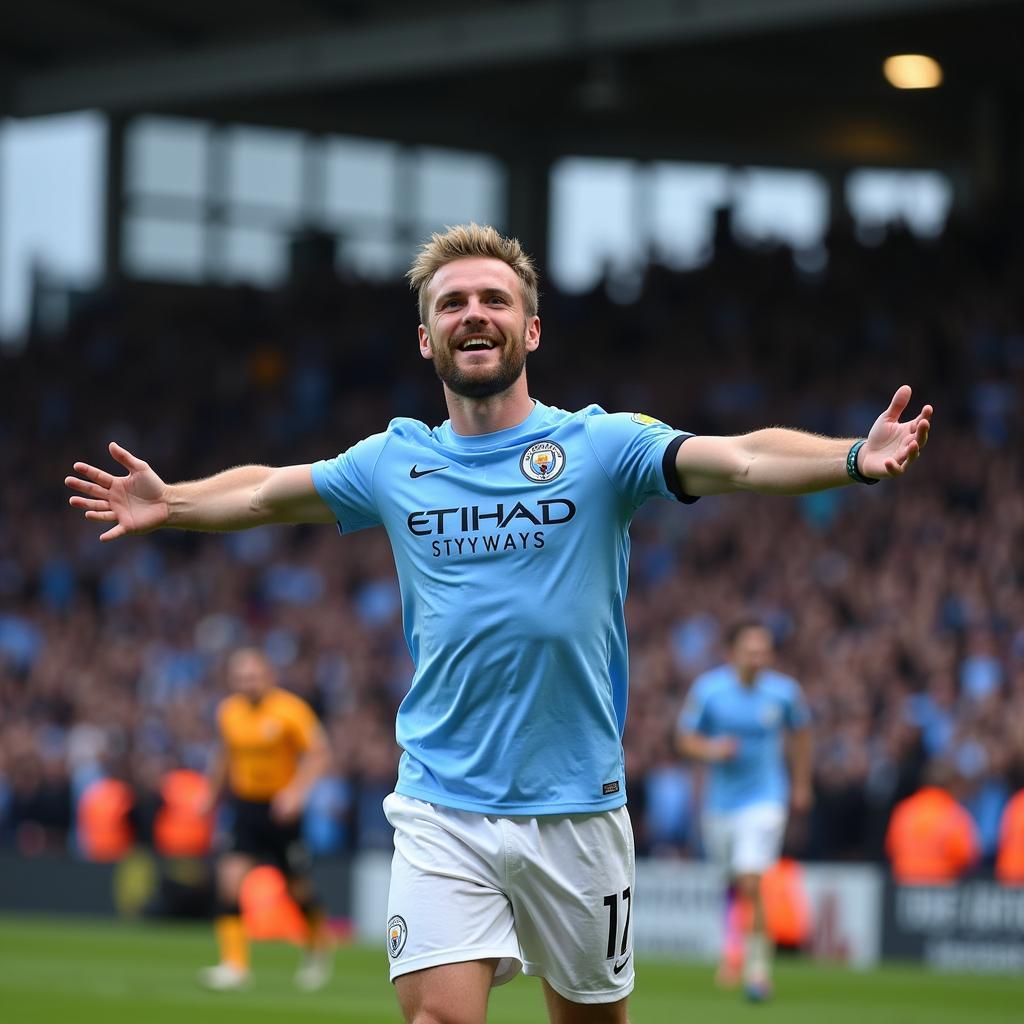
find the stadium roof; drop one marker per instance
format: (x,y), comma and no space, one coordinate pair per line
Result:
(794,82)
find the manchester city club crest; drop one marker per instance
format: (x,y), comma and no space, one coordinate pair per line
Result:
(397,934)
(542,461)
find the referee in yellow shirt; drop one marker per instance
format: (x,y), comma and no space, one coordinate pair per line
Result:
(273,750)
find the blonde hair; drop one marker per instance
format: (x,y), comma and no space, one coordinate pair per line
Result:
(465,241)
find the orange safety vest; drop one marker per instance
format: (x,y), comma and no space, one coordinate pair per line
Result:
(180,828)
(931,839)
(1010,859)
(105,831)
(786,908)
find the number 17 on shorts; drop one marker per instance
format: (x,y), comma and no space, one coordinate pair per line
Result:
(550,895)
(618,953)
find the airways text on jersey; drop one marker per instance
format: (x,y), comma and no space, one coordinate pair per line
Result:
(509,526)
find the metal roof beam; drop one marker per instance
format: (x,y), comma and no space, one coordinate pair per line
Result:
(405,50)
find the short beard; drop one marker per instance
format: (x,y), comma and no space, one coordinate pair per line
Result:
(510,367)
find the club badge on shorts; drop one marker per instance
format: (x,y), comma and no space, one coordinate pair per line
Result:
(542,461)
(398,932)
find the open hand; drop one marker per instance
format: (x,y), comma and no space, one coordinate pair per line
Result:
(892,446)
(136,503)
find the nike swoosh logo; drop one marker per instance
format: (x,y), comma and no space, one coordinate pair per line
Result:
(617,968)
(417,473)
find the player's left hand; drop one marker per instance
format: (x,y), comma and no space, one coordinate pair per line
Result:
(286,805)
(892,446)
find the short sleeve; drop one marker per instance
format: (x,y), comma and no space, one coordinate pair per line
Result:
(302,722)
(638,453)
(798,714)
(692,718)
(346,484)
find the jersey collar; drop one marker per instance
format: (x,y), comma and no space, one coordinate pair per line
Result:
(498,439)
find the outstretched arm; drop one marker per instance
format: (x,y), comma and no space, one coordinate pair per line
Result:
(236,499)
(781,461)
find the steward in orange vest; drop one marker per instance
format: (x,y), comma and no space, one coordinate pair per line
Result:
(105,830)
(1010,859)
(183,826)
(787,909)
(932,839)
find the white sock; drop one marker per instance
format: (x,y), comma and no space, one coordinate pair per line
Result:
(757,958)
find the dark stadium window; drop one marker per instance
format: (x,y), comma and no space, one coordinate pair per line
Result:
(666,212)
(51,173)
(265,170)
(251,255)
(166,156)
(919,199)
(164,249)
(785,206)
(454,187)
(583,245)
(361,180)
(683,200)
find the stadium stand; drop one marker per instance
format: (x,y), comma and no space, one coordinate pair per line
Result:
(900,611)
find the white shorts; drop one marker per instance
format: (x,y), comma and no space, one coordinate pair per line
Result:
(550,895)
(747,841)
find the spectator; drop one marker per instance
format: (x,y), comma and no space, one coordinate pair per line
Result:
(932,840)
(907,635)
(1010,861)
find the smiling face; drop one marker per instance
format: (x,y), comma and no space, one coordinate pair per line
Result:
(478,334)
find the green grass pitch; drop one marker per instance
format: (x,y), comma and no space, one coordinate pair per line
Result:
(102,972)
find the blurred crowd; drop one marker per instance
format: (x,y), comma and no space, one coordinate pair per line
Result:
(899,608)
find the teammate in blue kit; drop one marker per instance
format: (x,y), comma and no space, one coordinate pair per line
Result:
(736,719)
(510,528)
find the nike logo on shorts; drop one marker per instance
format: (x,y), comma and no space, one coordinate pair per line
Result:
(617,968)
(417,473)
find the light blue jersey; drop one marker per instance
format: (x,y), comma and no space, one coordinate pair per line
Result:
(756,716)
(512,551)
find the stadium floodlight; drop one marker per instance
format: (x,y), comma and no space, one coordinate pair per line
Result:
(912,71)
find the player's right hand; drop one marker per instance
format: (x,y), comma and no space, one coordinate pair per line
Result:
(135,503)
(722,748)
(287,805)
